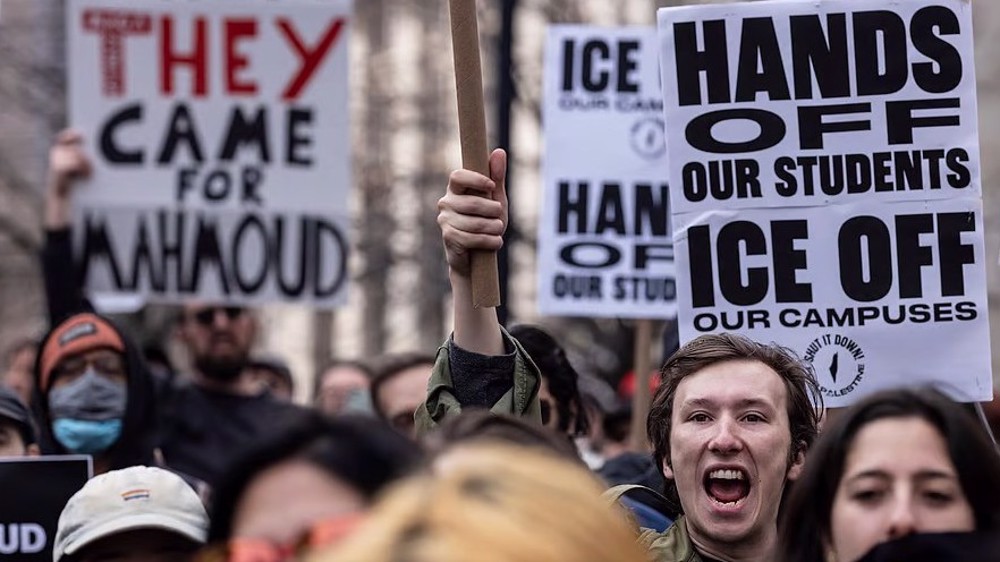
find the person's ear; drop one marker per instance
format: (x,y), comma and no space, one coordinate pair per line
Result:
(33,451)
(797,464)
(668,472)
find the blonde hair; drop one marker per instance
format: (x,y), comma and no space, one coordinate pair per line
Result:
(493,503)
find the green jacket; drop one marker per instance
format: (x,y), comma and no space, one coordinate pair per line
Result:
(521,400)
(672,545)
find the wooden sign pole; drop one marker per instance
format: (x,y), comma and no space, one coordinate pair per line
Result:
(472,129)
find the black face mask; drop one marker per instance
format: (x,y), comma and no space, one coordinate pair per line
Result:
(220,370)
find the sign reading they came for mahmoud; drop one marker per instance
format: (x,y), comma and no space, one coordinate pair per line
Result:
(218,133)
(604,245)
(825,183)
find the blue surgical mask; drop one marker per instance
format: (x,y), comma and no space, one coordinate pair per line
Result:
(87,412)
(87,437)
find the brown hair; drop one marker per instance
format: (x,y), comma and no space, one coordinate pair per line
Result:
(805,402)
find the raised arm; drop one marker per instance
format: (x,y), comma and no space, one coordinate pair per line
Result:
(67,165)
(480,365)
(473,216)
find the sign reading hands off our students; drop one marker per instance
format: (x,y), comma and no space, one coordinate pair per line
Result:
(218,133)
(604,247)
(34,492)
(825,182)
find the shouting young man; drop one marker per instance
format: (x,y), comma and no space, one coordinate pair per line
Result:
(730,425)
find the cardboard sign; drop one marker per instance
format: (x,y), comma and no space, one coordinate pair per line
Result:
(219,139)
(34,492)
(604,242)
(824,166)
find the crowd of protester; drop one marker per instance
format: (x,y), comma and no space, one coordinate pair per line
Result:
(493,447)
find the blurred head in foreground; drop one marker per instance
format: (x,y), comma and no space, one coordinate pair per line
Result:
(494,503)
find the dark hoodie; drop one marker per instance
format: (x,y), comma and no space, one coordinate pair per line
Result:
(138,439)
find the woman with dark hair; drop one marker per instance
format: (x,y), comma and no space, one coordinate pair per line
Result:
(559,395)
(304,488)
(896,463)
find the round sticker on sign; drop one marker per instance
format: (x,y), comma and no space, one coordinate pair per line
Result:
(647,138)
(839,364)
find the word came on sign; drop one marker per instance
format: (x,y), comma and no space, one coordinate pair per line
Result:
(220,142)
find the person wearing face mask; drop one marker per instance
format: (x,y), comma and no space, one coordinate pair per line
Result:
(93,395)
(906,472)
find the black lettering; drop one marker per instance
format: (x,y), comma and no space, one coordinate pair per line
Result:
(954,254)
(695,182)
(97,245)
(172,246)
(250,226)
(699,131)
(731,237)
(700,267)
(110,149)
(208,252)
(788,260)
(909,170)
(949,62)
(868,28)
(691,62)
(651,209)
(573,207)
(966,311)
(919,313)
(296,285)
(877,239)
(956,160)
(339,250)
(610,216)
(142,259)
(759,49)
(628,82)
(783,169)
(812,127)
(611,255)
(820,54)
(595,82)
(298,141)
(910,254)
(242,131)
(644,253)
(181,129)
(569,64)
(900,121)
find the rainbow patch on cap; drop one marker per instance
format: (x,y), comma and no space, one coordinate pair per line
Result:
(132,495)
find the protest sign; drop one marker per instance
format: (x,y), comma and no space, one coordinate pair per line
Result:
(604,242)
(34,491)
(824,166)
(218,133)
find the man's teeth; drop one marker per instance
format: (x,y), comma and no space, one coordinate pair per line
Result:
(726,474)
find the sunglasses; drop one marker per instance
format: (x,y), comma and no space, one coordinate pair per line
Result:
(206,316)
(245,549)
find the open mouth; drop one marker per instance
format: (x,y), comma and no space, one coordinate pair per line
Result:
(728,487)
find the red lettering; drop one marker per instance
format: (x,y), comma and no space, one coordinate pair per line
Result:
(197,59)
(235,60)
(113,27)
(310,60)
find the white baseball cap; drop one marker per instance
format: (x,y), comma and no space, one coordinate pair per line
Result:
(138,497)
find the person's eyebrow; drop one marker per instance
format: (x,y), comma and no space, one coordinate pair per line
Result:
(874,473)
(755,403)
(706,403)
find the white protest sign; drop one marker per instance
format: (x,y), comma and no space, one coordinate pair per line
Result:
(219,138)
(604,243)
(824,160)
